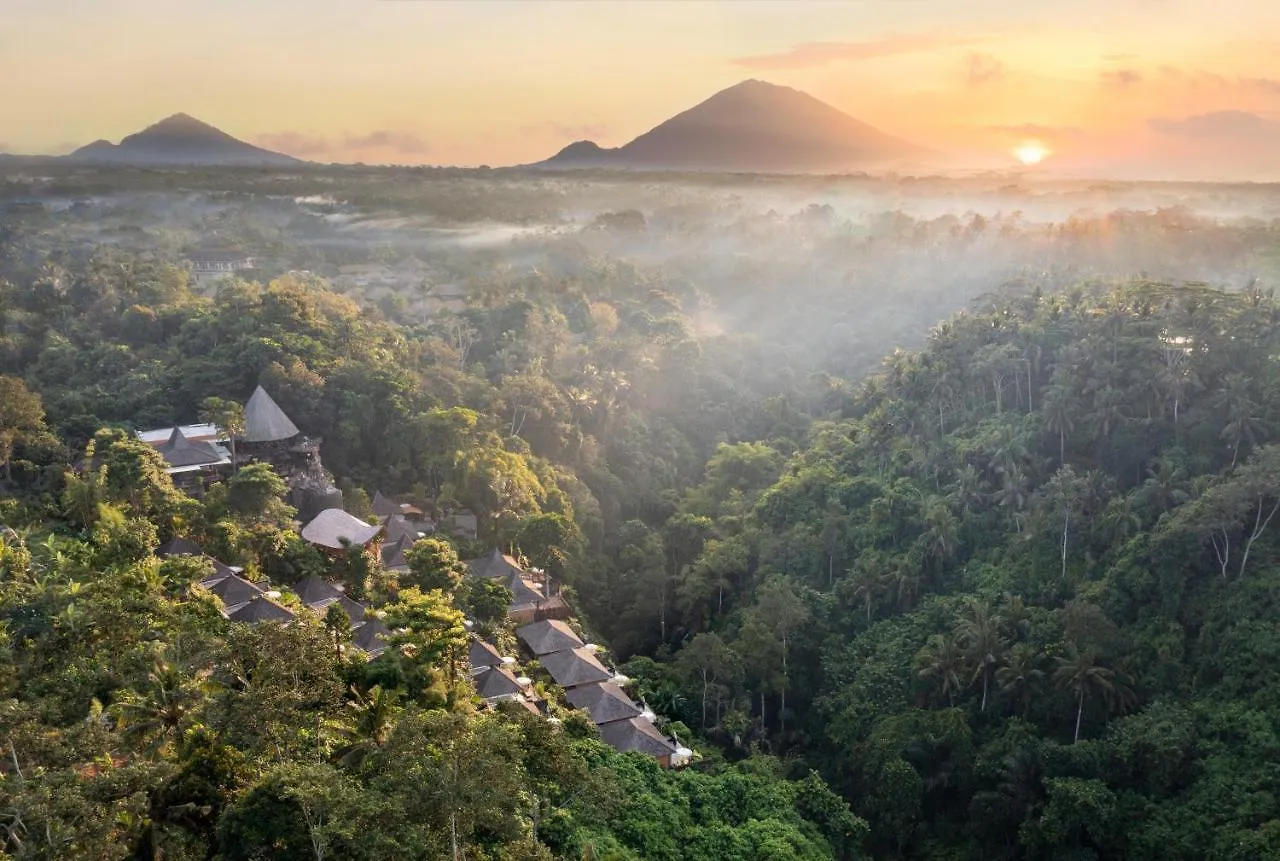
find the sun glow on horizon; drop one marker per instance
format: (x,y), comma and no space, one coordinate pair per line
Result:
(1031,153)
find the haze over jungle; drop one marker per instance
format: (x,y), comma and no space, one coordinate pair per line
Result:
(639,431)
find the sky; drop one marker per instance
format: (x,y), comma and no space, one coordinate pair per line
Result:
(1101,85)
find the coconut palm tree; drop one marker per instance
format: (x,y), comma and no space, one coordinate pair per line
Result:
(1020,676)
(978,632)
(941,662)
(1081,674)
(154,715)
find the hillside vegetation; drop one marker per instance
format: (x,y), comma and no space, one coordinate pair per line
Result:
(1009,598)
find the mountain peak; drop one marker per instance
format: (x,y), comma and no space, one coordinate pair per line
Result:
(752,126)
(181,139)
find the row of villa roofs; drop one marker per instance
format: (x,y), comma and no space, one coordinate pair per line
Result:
(571,663)
(253,603)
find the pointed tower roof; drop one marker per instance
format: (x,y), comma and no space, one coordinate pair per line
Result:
(264,421)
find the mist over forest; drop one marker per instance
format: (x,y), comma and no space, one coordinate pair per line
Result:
(932,515)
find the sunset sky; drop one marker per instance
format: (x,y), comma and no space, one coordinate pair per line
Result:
(1100,83)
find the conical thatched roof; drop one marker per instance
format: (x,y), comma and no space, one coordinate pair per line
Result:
(264,421)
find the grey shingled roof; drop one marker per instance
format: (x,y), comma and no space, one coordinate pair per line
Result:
(398,527)
(604,702)
(234,591)
(355,610)
(524,593)
(334,524)
(393,553)
(494,565)
(495,682)
(574,667)
(371,637)
(264,421)
(549,636)
(179,547)
(177,450)
(635,734)
(260,609)
(315,592)
(383,506)
(481,654)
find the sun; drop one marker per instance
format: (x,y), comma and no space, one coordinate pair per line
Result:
(1031,153)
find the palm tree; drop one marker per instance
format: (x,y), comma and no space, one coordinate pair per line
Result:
(1060,409)
(978,630)
(370,719)
(941,662)
(1020,675)
(155,715)
(1082,675)
(1243,421)
(941,529)
(865,585)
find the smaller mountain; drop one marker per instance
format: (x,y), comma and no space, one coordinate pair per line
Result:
(752,126)
(181,140)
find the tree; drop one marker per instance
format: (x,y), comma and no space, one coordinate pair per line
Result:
(228,416)
(1080,674)
(433,564)
(978,631)
(427,630)
(711,661)
(485,600)
(21,413)
(1020,675)
(782,610)
(338,624)
(255,494)
(941,662)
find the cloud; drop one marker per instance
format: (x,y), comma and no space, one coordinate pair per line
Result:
(304,145)
(1035,130)
(1118,58)
(1203,78)
(1233,126)
(808,54)
(980,69)
(568,131)
(1121,77)
(403,142)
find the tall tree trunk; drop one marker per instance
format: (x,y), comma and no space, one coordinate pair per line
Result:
(453,834)
(704,699)
(1066,520)
(782,703)
(1079,715)
(985,684)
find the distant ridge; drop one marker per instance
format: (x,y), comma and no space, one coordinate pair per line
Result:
(180,140)
(751,126)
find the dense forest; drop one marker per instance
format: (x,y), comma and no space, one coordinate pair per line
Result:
(1008,597)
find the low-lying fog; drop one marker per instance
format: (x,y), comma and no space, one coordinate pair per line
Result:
(830,272)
